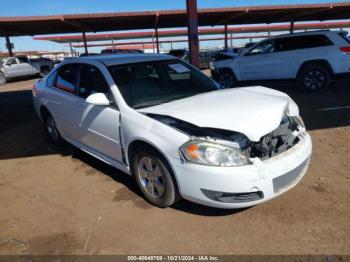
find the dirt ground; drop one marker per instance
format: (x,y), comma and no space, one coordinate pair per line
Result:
(62,201)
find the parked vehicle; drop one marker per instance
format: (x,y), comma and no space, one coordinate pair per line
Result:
(175,130)
(183,54)
(22,66)
(120,51)
(219,57)
(313,59)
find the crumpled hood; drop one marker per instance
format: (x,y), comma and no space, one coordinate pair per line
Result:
(252,111)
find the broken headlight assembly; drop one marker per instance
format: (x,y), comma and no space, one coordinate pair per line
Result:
(212,153)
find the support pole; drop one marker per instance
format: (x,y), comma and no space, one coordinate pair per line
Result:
(153,43)
(231,40)
(292,27)
(9,45)
(71,49)
(85,44)
(192,18)
(157,40)
(226,37)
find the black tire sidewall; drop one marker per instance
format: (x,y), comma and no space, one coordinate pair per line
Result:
(59,140)
(322,69)
(169,196)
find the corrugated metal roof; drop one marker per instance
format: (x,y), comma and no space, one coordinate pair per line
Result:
(202,31)
(55,24)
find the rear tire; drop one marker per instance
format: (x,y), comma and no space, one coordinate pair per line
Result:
(154,177)
(227,79)
(51,130)
(315,77)
(3,79)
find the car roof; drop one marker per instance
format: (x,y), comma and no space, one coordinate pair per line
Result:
(316,32)
(119,59)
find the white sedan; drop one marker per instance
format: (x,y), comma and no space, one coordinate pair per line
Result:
(176,130)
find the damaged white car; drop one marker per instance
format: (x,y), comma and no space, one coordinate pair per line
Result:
(175,130)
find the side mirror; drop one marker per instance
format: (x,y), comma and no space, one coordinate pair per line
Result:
(98,99)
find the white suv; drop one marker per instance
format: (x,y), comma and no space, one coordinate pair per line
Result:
(175,130)
(314,59)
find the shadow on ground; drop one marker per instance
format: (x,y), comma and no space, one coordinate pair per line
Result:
(22,135)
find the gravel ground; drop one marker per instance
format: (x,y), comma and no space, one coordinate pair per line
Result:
(62,201)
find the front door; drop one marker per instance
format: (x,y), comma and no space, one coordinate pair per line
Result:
(97,126)
(12,68)
(259,63)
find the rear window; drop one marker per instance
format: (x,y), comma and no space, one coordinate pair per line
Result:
(344,36)
(67,78)
(301,42)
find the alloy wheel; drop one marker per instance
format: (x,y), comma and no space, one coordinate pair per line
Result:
(2,79)
(151,176)
(52,129)
(314,80)
(227,80)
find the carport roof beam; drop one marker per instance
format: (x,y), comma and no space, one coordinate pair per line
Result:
(33,25)
(202,31)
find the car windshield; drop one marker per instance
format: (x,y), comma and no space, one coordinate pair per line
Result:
(152,83)
(1,61)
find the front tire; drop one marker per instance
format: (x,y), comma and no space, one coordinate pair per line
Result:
(315,78)
(154,178)
(227,79)
(3,79)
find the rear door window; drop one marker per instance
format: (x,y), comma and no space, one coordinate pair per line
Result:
(343,35)
(67,78)
(92,81)
(301,42)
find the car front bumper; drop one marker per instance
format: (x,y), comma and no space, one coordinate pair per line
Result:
(244,186)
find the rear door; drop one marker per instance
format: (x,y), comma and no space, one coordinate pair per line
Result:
(97,126)
(294,50)
(63,100)
(25,67)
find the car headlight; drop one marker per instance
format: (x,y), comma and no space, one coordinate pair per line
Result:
(213,154)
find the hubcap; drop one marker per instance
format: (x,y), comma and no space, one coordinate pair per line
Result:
(51,128)
(226,80)
(2,79)
(314,80)
(151,176)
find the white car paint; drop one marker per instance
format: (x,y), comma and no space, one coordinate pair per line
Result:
(107,132)
(254,112)
(286,64)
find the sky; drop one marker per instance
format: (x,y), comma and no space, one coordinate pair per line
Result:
(49,7)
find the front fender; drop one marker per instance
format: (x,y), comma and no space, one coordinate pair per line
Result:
(136,126)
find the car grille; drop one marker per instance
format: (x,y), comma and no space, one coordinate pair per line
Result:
(289,178)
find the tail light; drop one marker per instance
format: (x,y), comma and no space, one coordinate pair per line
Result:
(345,49)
